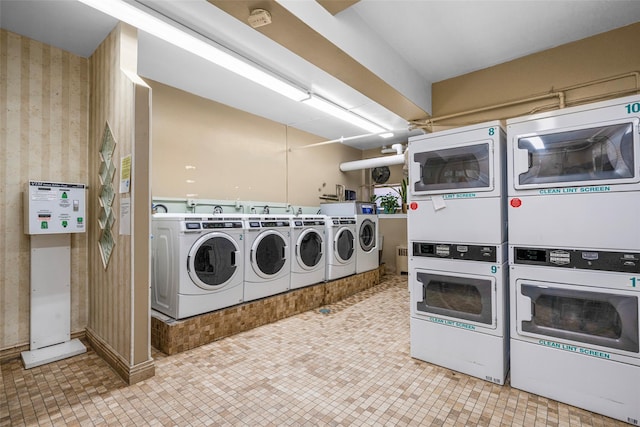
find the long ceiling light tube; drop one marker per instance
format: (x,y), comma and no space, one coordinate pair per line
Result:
(342,114)
(180,38)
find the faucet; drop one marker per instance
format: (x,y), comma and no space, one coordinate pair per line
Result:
(265,210)
(217,209)
(299,211)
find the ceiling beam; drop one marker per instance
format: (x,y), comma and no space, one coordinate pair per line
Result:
(289,31)
(336,6)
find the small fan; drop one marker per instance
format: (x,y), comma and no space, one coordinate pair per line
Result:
(381,174)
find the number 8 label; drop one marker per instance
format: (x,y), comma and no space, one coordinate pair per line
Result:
(492,131)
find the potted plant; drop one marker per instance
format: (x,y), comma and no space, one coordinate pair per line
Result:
(402,192)
(389,203)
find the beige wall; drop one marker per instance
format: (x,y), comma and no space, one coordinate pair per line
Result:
(394,229)
(238,155)
(119,323)
(604,55)
(44,95)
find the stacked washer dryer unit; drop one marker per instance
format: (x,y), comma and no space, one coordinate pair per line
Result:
(340,245)
(366,218)
(268,255)
(307,250)
(574,255)
(457,261)
(197,263)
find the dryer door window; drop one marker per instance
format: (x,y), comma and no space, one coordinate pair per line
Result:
(344,245)
(599,317)
(269,254)
(309,249)
(454,169)
(600,154)
(367,235)
(213,260)
(462,298)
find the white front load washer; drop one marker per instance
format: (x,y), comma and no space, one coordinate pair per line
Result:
(575,173)
(341,246)
(308,250)
(575,329)
(268,255)
(457,185)
(197,263)
(367,257)
(459,315)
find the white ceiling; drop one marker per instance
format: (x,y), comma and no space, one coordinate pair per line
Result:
(408,43)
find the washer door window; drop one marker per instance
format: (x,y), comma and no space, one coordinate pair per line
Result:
(454,169)
(589,317)
(213,260)
(597,155)
(309,249)
(367,235)
(269,254)
(344,245)
(462,298)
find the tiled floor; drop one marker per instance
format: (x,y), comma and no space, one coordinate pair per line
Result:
(348,366)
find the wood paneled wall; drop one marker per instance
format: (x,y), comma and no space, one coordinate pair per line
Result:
(119,322)
(44,95)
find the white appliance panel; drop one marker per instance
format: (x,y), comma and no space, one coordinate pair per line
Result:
(603,386)
(591,145)
(163,295)
(575,339)
(188,253)
(477,220)
(590,310)
(479,355)
(459,317)
(367,245)
(469,295)
(268,267)
(308,250)
(341,247)
(594,220)
(458,161)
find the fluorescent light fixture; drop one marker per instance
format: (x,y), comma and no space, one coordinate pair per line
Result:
(342,114)
(180,38)
(386,135)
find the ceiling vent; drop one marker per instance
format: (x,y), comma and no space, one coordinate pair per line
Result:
(259,18)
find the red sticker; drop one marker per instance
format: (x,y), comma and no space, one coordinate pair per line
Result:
(516,203)
(413,206)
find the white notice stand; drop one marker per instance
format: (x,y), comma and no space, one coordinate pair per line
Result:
(50,327)
(52,211)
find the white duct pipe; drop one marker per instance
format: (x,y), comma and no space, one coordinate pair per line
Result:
(397,159)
